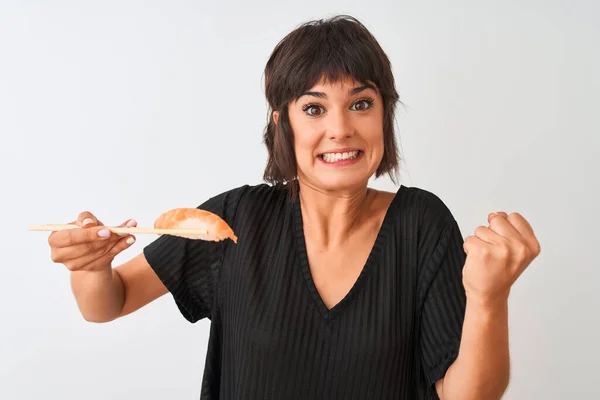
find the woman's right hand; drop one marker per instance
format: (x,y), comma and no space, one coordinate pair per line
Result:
(92,247)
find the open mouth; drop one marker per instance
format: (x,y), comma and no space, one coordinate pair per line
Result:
(340,157)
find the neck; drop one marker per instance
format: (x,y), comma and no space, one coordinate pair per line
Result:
(330,218)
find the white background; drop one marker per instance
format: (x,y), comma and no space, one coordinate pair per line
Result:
(130,108)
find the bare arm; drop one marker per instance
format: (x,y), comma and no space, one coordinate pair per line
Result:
(104,293)
(496,256)
(111,293)
(481,370)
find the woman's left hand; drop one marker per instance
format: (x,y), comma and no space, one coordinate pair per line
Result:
(497,255)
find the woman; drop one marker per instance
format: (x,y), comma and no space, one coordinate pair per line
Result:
(334,290)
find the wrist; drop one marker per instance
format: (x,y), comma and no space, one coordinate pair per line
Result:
(96,272)
(489,304)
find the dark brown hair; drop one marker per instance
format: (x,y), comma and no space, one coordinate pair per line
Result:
(330,49)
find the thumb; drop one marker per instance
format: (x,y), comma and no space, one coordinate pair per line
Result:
(87,219)
(130,223)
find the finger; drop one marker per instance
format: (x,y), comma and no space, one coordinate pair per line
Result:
(474,245)
(526,231)
(520,224)
(94,261)
(106,258)
(72,237)
(129,223)
(495,214)
(67,253)
(67,238)
(503,227)
(86,218)
(488,235)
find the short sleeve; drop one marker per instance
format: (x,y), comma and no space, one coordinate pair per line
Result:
(190,269)
(444,303)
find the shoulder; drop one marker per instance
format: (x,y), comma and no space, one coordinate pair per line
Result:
(262,195)
(436,236)
(245,200)
(424,207)
(426,217)
(247,193)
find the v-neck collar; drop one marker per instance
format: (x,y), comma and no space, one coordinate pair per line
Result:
(372,259)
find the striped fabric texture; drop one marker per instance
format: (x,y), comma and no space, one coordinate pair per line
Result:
(392,336)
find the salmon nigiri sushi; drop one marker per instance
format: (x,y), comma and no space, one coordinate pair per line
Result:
(194,218)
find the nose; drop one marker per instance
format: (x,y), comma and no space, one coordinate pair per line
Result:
(340,126)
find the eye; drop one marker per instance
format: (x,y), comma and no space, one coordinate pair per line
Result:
(363,104)
(312,110)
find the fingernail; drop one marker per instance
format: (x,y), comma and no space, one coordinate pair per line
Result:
(87,221)
(130,240)
(104,233)
(130,224)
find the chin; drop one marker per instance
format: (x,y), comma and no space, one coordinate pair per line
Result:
(342,182)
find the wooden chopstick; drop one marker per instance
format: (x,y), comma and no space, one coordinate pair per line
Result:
(119,229)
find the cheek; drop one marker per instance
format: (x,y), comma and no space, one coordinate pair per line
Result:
(373,136)
(305,151)
(306,140)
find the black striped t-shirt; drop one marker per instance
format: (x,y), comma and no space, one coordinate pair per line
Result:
(272,337)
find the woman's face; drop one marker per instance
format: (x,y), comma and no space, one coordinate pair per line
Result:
(338,135)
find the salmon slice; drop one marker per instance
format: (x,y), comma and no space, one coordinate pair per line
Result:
(194,218)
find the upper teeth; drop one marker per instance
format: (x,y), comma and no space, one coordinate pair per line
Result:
(332,157)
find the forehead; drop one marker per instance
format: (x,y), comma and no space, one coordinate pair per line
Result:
(343,83)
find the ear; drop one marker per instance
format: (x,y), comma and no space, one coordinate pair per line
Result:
(276,116)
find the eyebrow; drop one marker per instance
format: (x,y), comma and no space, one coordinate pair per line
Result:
(351,92)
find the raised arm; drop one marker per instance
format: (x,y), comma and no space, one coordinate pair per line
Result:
(104,293)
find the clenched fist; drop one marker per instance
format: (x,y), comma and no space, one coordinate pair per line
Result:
(497,255)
